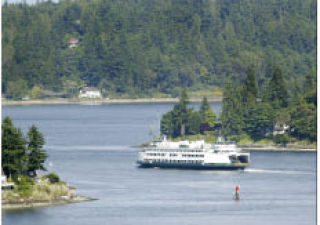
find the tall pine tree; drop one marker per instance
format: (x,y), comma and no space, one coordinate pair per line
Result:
(36,154)
(250,88)
(232,111)
(276,93)
(206,113)
(14,155)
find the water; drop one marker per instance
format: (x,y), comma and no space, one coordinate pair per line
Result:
(90,147)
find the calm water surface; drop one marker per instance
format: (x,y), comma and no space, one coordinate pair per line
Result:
(90,147)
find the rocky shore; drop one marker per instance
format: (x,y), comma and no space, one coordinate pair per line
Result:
(23,204)
(42,194)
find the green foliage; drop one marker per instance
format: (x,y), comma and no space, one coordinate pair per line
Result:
(304,121)
(181,114)
(194,123)
(182,121)
(53,178)
(36,92)
(232,111)
(245,139)
(166,124)
(24,186)
(243,113)
(259,121)
(21,156)
(250,88)
(149,46)
(281,139)
(206,113)
(14,154)
(36,154)
(17,89)
(276,93)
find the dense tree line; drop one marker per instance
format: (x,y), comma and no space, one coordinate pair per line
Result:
(183,120)
(21,155)
(151,46)
(248,110)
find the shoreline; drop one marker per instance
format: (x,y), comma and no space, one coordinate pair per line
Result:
(275,148)
(62,101)
(37,204)
(267,148)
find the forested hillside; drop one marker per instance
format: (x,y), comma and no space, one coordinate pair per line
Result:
(150,46)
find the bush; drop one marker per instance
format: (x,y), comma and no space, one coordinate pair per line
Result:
(24,186)
(53,178)
(281,139)
(245,139)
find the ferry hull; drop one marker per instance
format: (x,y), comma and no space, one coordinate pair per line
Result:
(213,166)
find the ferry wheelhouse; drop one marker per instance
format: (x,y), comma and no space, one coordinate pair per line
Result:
(193,155)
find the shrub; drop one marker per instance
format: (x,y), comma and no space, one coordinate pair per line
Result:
(53,178)
(245,139)
(281,139)
(24,186)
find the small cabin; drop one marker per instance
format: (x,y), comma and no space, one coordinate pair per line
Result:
(73,42)
(90,92)
(4,184)
(280,129)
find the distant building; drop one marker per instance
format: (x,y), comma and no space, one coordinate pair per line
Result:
(90,92)
(280,129)
(4,184)
(73,42)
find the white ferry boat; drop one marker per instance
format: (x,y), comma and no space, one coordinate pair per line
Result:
(193,155)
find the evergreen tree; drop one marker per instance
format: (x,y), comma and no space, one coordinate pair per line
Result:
(310,89)
(14,156)
(166,124)
(259,121)
(182,112)
(194,123)
(304,121)
(232,112)
(36,154)
(250,89)
(151,46)
(276,93)
(206,113)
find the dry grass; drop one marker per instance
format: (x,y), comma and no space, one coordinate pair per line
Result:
(41,192)
(49,191)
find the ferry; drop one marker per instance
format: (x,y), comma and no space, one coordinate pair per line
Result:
(222,155)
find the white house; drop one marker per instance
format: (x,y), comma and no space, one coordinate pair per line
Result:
(4,184)
(73,42)
(90,92)
(280,129)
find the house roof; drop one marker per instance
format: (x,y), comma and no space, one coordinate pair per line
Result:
(73,41)
(90,89)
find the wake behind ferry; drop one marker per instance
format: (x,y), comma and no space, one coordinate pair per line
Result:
(222,155)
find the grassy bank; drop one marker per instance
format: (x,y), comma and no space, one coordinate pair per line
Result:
(45,193)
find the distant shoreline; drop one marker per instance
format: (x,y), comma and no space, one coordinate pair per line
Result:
(276,148)
(62,101)
(267,148)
